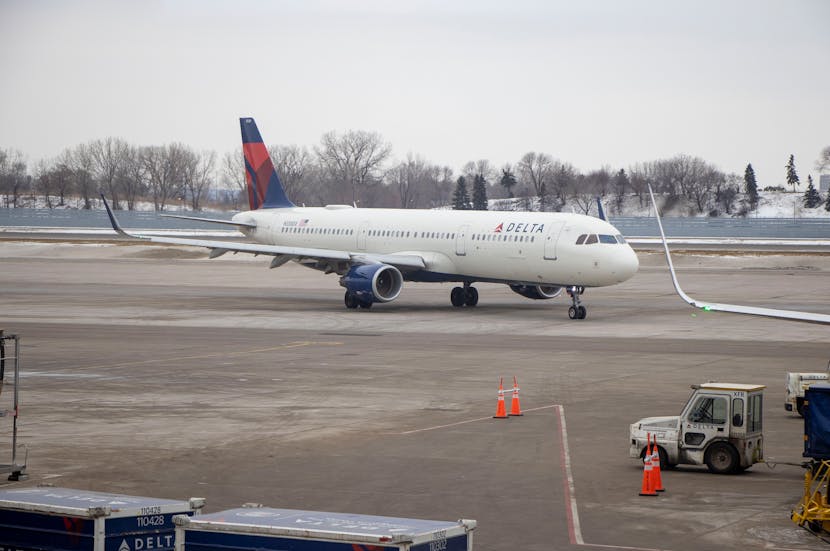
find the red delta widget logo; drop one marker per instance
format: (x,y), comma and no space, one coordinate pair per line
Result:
(519,227)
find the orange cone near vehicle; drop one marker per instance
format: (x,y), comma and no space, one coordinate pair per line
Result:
(501,413)
(647,488)
(515,408)
(657,480)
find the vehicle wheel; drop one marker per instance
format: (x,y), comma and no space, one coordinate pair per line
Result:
(572,312)
(457,297)
(351,300)
(799,406)
(365,305)
(721,458)
(471,298)
(664,459)
(581,312)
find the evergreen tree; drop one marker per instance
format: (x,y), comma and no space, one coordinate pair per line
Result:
(508,180)
(792,176)
(479,193)
(751,186)
(460,198)
(812,198)
(827,203)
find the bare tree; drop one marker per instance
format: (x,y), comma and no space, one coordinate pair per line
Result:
(414,180)
(108,158)
(133,176)
(197,175)
(536,172)
(165,169)
(232,173)
(82,166)
(293,163)
(354,159)
(13,177)
(43,180)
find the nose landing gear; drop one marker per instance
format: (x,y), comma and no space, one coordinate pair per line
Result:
(577,311)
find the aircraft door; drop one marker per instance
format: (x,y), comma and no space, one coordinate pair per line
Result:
(551,238)
(707,419)
(461,240)
(362,232)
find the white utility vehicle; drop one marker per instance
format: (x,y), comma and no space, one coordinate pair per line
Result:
(797,383)
(721,426)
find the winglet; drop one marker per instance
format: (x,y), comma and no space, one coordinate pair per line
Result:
(113,221)
(793,315)
(600,210)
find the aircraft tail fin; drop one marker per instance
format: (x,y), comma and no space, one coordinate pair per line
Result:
(264,187)
(600,210)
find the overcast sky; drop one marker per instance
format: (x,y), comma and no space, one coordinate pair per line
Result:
(592,83)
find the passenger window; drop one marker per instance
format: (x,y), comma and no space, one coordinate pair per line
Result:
(608,239)
(591,239)
(581,239)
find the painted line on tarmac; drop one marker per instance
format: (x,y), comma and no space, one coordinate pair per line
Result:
(436,427)
(574,528)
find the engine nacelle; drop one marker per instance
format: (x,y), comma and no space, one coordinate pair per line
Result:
(373,282)
(537,292)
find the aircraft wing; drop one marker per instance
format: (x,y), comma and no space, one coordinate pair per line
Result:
(210,220)
(218,248)
(795,315)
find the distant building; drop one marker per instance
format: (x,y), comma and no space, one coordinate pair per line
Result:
(824,183)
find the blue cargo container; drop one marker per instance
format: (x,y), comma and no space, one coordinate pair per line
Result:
(264,529)
(62,519)
(817,421)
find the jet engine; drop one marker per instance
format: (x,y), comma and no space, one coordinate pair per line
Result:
(537,292)
(370,283)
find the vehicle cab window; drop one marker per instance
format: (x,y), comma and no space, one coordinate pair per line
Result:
(581,239)
(591,239)
(709,410)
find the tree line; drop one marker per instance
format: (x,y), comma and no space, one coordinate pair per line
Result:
(357,167)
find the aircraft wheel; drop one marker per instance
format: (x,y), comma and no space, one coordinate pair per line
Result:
(581,312)
(351,300)
(457,297)
(365,305)
(572,312)
(471,298)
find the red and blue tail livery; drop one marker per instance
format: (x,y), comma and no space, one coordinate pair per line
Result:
(264,187)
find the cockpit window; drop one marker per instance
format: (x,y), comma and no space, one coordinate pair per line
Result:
(610,239)
(581,239)
(620,239)
(591,239)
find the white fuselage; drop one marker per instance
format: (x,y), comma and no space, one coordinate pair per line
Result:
(511,247)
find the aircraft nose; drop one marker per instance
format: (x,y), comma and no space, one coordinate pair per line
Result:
(629,264)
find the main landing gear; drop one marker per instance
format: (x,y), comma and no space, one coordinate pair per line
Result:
(577,311)
(464,296)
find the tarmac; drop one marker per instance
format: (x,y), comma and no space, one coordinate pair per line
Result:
(154,371)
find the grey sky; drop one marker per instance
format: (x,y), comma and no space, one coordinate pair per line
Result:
(593,83)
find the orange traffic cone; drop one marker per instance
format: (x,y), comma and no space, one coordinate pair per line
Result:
(515,408)
(500,411)
(647,488)
(657,480)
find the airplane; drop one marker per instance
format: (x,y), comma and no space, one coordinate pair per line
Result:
(792,315)
(374,251)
